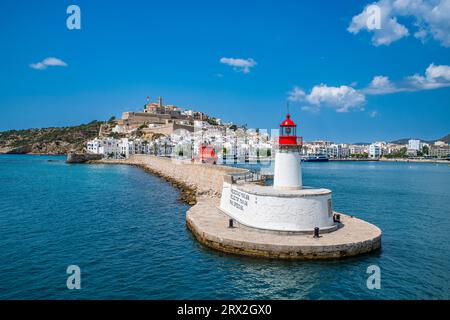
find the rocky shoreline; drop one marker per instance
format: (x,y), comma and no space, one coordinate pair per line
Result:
(188,194)
(193,180)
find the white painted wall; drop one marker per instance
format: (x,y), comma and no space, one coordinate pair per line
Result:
(288,171)
(293,213)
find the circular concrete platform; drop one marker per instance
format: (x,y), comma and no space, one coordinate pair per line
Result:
(210,227)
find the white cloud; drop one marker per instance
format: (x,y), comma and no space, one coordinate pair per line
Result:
(435,77)
(380,85)
(438,73)
(48,62)
(431,18)
(346,98)
(310,109)
(342,99)
(296,94)
(243,65)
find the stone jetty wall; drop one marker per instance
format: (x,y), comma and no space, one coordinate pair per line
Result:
(201,186)
(204,179)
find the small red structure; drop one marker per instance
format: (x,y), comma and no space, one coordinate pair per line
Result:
(207,154)
(288,134)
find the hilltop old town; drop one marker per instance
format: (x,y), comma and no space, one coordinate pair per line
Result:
(169,130)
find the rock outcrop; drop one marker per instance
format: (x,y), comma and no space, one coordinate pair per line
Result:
(16,150)
(73,157)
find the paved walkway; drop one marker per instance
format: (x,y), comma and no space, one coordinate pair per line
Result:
(210,227)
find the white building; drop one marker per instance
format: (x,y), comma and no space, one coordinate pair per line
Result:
(440,144)
(331,150)
(117,148)
(93,146)
(414,144)
(355,149)
(375,151)
(118,129)
(110,147)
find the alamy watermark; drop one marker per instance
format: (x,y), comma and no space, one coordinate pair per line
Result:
(74,278)
(374,280)
(73,22)
(373,14)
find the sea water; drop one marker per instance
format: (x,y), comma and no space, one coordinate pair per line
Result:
(125,230)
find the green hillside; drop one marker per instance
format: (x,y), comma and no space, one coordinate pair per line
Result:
(49,140)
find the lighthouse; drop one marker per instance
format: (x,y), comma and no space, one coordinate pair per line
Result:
(288,171)
(286,205)
(285,219)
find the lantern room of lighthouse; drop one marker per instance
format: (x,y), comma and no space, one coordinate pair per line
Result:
(288,134)
(287,172)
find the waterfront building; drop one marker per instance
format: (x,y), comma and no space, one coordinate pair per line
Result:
(440,151)
(117,148)
(358,149)
(106,146)
(393,148)
(338,151)
(440,144)
(414,144)
(110,147)
(93,146)
(375,151)
(129,147)
(329,149)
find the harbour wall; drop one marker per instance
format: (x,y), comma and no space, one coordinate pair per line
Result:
(204,179)
(201,186)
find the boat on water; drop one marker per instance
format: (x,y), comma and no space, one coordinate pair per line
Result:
(315,158)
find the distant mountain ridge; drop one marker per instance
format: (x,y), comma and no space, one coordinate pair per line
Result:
(445,139)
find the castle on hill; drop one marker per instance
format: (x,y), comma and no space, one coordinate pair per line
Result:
(156,119)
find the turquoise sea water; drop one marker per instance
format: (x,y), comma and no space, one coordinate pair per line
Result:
(125,229)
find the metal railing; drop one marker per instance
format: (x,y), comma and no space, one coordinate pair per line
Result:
(250,176)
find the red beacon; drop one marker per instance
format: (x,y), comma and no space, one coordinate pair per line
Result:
(288,134)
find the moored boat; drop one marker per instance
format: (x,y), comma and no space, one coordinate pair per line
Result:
(315,158)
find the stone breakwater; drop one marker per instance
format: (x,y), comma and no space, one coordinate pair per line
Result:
(210,227)
(201,187)
(193,179)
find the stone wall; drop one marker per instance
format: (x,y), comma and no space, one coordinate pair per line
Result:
(205,179)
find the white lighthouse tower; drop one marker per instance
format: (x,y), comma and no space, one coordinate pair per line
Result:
(288,171)
(286,205)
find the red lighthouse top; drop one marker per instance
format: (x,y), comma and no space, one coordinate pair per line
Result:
(288,122)
(288,134)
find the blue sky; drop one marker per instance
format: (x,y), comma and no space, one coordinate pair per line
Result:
(297,50)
